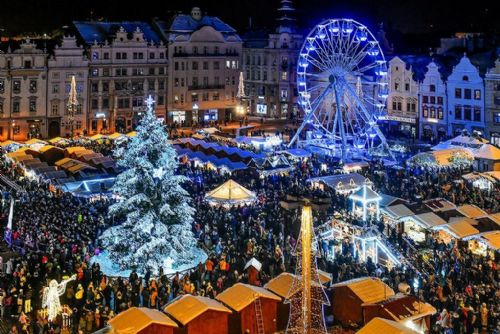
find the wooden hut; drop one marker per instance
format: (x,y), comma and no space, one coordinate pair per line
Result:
(254,309)
(379,325)
(349,296)
(401,308)
(253,268)
(198,315)
(141,320)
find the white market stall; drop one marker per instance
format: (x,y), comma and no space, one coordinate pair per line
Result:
(369,199)
(230,193)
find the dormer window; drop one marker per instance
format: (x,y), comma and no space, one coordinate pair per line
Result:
(465,78)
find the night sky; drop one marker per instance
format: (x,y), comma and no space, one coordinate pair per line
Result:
(404,16)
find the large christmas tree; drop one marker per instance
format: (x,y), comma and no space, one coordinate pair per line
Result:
(154,208)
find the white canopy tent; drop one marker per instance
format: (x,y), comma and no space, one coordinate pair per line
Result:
(230,193)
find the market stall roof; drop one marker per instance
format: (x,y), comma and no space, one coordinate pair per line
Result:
(488,152)
(187,307)
(460,227)
(116,135)
(281,285)
(9,142)
(349,181)
(439,204)
(73,149)
(471,211)
(368,289)
(461,141)
(471,177)
(402,307)
(495,174)
(385,326)
(365,194)
(57,140)
(355,166)
(324,277)
(397,211)
(491,239)
(231,191)
(131,134)
(253,263)
(428,220)
(135,319)
(241,295)
(98,137)
(495,217)
(297,153)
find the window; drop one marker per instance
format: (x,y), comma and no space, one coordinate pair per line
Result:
(458,93)
(1,106)
(94,87)
(433,100)
(216,65)
(55,88)
(407,87)
(94,72)
(33,86)
(205,65)
(176,82)
(205,96)
(137,102)
(182,66)
(215,96)
(138,55)
(264,76)
(440,113)
(16,86)
(216,50)
(151,55)
(16,106)
(234,64)
(78,125)
(151,71)
(161,84)
(477,114)
(216,81)
(182,98)
(95,104)
(194,97)
(32,105)
(105,72)
(195,81)
(176,66)
(394,105)
(194,66)
(162,55)
(105,86)
(396,86)
(205,81)
(105,103)
(433,112)
(477,94)
(284,94)
(425,99)
(432,88)
(465,78)
(458,112)
(161,70)
(425,111)
(54,110)
(440,100)
(284,75)
(95,55)
(195,50)
(27,64)
(467,94)
(124,103)
(467,113)
(496,118)
(228,64)
(2,85)
(106,55)
(233,80)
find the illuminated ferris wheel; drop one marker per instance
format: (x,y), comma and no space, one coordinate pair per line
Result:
(343,86)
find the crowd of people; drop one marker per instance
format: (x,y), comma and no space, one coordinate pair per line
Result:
(54,236)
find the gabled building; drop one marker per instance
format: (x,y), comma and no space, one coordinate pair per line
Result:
(492,104)
(23,87)
(465,99)
(127,62)
(433,117)
(204,55)
(269,67)
(68,60)
(402,102)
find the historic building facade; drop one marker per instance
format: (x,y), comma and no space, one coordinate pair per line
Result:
(127,62)
(492,104)
(68,60)
(465,89)
(204,66)
(433,120)
(402,102)
(23,87)
(269,67)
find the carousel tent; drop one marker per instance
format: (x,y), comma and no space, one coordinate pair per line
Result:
(380,325)
(230,193)
(241,295)
(138,319)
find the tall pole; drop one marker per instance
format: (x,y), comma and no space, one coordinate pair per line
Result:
(72,105)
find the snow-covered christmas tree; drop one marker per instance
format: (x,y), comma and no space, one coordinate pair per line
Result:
(154,208)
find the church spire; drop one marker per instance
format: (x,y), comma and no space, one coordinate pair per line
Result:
(286,19)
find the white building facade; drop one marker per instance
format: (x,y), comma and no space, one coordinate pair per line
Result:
(68,60)
(492,104)
(433,105)
(23,88)
(465,99)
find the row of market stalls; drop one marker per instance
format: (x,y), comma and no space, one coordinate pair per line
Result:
(441,219)
(74,169)
(229,159)
(245,308)
(461,151)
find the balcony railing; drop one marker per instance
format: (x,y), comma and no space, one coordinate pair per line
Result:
(212,54)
